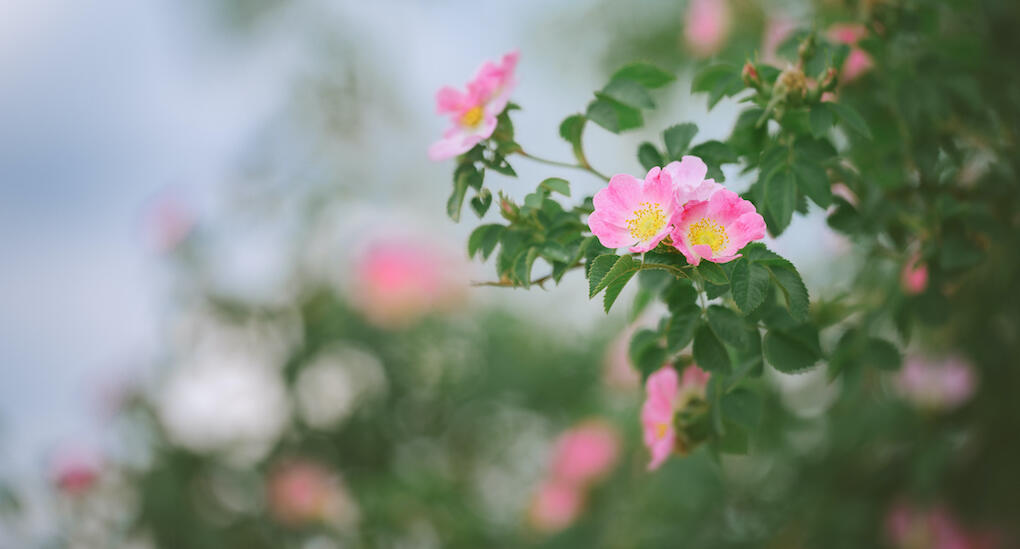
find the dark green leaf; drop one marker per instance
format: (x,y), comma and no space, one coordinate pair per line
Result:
(484,239)
(780,198)
(649,156)
(750,283)
(850,117)
(821,120)
(570,130)
(481,202)
(793,289)
(789,352)
(613,115)
(881,354)
(625,265)
(614,288)
(709,352)
(555,184)
(456,200)
(629,92)
(680,329)
(597,270)
(728,325)
(678,138)
(713,273)
(645,74)
(743,407)
(813,182)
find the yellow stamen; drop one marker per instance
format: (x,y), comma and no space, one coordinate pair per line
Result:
(472,117)
(660,429)
(707,231)
(647,221)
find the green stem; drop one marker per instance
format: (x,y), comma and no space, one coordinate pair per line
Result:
(585,166)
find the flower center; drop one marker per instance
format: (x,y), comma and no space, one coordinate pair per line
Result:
(707,231)
(472,117)
(647,221)
(660,429)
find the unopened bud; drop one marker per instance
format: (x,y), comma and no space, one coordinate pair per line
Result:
(508,209)
(830,80)
(792,84)
(750,75)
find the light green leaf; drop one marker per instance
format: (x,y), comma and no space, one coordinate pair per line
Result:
(556,184)
(645,74)
(629,93)
(484,239)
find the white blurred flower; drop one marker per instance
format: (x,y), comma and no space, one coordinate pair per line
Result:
(336,381)
(225,402)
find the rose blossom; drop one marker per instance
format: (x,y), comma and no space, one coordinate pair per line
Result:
(585,453)
(717,228)
(473,112)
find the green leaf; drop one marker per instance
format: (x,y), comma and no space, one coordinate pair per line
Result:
(713,273)
(813,182)
(850,117)
(743,407)
(629,93)
(481,202)
(554,251)
(680,328)
(625,265)
(557,185)
(522,266)
(678,138)
(750,283)
(821,120)
(790,352)
(534,200)
(570,130)
(718,81)
(614,288)
(597,270)
(649,156)
(456,200)
(680,294)
(613,115)
(645,74)
(484,239)
(881,354)
(780,198)
(734,440)
(709,352)
(793,289)
(728,325)
(645,353)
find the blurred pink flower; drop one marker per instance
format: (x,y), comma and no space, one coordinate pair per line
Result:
(693,382)
(585,453)
(474,112)
(777,30)
(555,506)
(302,492)
(914,277)
(936,385)
(858,62)
(706,26)
(168,222)
(717,228)
(75,470)
(909,527)
(619,373)
(661,389)
(398,281)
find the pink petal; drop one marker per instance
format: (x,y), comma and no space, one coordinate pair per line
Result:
(450,100)
(609,235)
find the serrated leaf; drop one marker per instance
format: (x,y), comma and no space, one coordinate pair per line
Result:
(624,266)
(645,74)
(614,288)
(709,352)
(613,115)
(728,325)
(780,198)
(629,92)
(681,326)
(749,283)
(481,202)
(484,239)
(881,354)
(556,184)
(597,270)
(713,273)
(649,156)
(718,81)
(850,117)
(680,294)
(678,138)
(793,289)
(523,264)
(456,200)
(787,352)
(813,182)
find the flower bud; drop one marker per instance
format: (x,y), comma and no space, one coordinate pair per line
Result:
(508,209)
(829,80)
(793,84)
(750,75)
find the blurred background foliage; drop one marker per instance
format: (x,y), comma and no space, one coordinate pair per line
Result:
(291,411)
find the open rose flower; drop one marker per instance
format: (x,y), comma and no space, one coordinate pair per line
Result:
(858,62)
(585,453)
(665,393)
(717,228)
(302,492)
(638,214)
(474,111)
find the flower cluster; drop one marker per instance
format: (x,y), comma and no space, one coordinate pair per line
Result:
(473,112)
(703,219)
(666,394)
(582,455)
